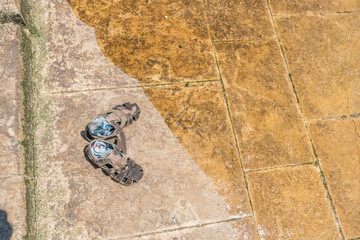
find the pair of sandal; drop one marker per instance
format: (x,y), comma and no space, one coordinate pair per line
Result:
(107,147)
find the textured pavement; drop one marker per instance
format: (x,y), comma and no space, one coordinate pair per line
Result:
(12,187)
(249,125)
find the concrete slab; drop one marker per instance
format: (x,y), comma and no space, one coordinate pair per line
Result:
(72,191)
(10,128)
(291,203)
(239,20)
(338,145)
(12,208)
(329,86)
(263,105)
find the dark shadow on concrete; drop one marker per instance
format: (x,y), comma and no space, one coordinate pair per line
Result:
(83,135)
(5,227)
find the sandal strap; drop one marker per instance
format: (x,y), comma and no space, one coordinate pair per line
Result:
(121,143)
(118,161)
(114,116)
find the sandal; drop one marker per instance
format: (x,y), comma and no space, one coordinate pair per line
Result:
(111,123)
(108,157)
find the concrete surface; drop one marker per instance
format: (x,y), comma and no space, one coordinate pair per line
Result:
(249,122)
(12,187)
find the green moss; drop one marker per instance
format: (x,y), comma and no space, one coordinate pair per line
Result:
(33,53)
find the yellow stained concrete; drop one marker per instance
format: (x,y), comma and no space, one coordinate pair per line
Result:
(92,12)
(197,116)
(171,41)
(305,6)
(263,106)
(291,203)
(338,147)
(154,42)
(238,19)
(323,53)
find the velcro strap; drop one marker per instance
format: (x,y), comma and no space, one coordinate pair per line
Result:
(115,117)
(118,161)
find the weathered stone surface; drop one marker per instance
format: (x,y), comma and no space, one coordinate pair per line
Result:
(239,20)
(74,60)
(12,208)
(242,229)
(154,42)
(291,203)
(200,121)
(338,146)
(323,54)
(267,121)
(9,121)
(78,200)
(9,6)
(319,6)
(192,184)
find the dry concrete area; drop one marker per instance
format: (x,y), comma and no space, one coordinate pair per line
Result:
(249,124)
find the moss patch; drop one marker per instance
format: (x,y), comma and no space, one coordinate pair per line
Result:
(33,51)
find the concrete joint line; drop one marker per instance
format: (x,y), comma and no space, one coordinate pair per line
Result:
(313,14)
(322,177)
(127,87)
(358,238)
(16,176)
(284,166)
(235,139)
(245,40)
(183,228)
(346,116)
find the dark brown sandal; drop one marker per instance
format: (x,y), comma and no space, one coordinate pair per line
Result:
(113,161)
(110,124)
